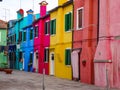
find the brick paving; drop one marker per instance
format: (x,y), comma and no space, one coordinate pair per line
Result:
(21,80)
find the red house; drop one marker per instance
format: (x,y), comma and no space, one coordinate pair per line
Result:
(42,40)
(84,39)
(107,56)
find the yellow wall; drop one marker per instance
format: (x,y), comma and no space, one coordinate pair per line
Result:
(60,2)
(60,42)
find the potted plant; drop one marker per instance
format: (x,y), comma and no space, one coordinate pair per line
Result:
(6,69)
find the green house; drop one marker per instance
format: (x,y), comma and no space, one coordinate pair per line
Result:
(3,42)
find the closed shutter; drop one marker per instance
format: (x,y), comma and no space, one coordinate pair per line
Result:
(54,26)
(67,57)
(70,14)
(50,27)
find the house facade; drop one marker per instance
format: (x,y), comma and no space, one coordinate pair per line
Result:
(3,42)
(84,40)
(42,40)
(106,61)
(61,39)
(12,43)
(27,51)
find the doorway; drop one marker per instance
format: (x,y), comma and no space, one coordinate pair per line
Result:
(52,63)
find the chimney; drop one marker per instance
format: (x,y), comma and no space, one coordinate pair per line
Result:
(30,16)
(20,13)
(43,5)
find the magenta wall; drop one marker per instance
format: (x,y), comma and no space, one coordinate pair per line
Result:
(40,43)
(108,46)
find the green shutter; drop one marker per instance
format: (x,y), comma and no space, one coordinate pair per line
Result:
(66,22)
(70,14)
(69,57)
(54,26)
(66,62)
(50,27)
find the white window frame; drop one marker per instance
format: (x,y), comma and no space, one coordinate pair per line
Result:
(47,27)
(77,28)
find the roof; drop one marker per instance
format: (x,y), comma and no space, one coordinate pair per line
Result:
(3,24)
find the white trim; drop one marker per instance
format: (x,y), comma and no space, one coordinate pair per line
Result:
(82,18)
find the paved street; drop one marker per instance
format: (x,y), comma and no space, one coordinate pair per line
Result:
(20,80)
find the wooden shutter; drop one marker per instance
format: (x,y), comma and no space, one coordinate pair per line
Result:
(51,27)
(70,14)
(66,62)
(80,18)
(69,57)
(54,26)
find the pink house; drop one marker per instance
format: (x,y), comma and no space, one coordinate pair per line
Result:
(107,57)
(42,40)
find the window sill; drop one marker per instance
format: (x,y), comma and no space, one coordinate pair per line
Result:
(46,34)
(46,62)
(53,35)
(68,65)
(79,29)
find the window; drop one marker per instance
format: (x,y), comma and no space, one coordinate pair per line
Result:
(36,31)
(20,56)
(47,27)
(46,54)
(20,36)
(15,37)
(31,58)
(53,27)
(68,21)
(80,18)
(67,57)
(31,34)
(24,37)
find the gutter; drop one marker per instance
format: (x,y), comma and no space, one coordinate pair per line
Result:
(98,21)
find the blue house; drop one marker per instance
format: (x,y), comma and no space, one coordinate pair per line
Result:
(27,43)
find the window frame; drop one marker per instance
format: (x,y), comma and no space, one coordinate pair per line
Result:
(47,26)
(80,28)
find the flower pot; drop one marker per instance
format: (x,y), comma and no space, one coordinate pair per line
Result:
(1,69)
(8,71)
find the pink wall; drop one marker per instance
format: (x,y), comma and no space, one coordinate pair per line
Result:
(108,46)
(42,41)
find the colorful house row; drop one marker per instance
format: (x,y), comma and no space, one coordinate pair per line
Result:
(75,40)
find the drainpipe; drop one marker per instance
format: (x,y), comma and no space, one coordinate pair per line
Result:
(98,21)
(73,26)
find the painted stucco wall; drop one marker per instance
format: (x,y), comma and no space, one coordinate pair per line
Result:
(86,38)
(108,46)
(3,42)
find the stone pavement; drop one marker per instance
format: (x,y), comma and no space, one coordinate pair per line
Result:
(21,80)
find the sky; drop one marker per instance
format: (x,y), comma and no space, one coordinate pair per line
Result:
(8,8)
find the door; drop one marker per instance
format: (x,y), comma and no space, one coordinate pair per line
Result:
(23,60)
(52,63)
(75,61)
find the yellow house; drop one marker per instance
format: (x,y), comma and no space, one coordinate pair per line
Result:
(61,39)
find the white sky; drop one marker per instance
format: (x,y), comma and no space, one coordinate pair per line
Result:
(11,6)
